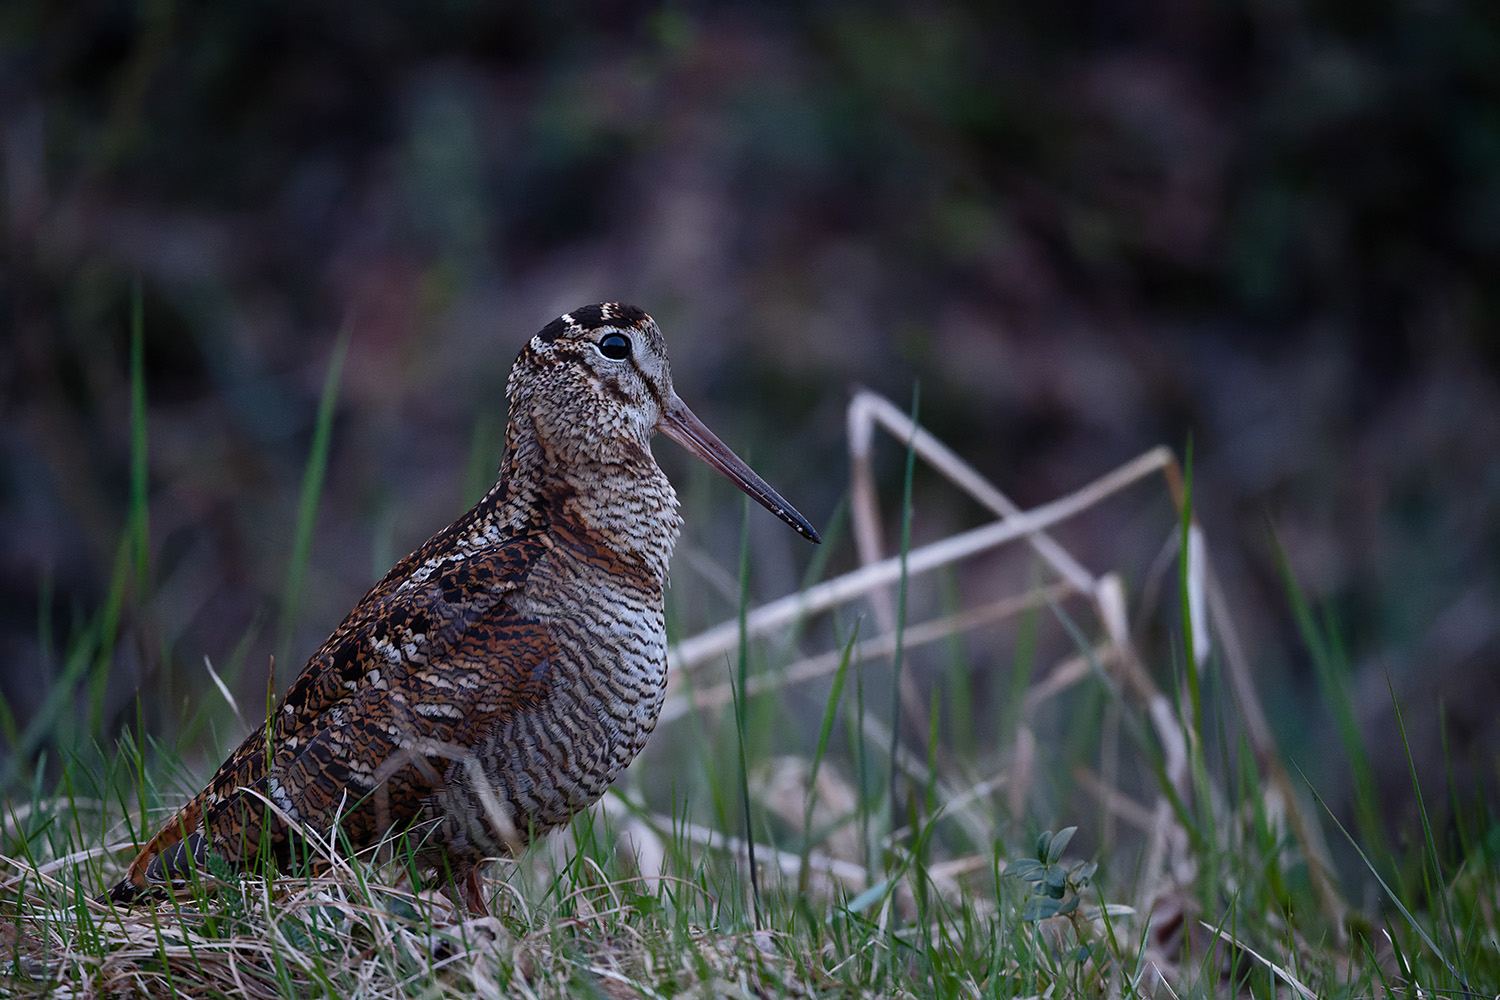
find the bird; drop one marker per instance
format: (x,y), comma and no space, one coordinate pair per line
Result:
(499,678)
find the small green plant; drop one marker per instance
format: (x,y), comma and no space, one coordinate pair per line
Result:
(1055,889)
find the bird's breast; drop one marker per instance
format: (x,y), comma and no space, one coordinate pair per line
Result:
(603,691)
(622,518)
(607,621)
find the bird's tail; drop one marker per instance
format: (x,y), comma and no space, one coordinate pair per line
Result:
(169,859)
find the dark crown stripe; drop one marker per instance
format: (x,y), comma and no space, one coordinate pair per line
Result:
(586,318)
(553,330)
(606,314)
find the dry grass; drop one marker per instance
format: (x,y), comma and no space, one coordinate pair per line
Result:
(341,935)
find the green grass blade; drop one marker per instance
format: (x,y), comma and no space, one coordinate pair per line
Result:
(861,769)
(900,651)
(312,491)
(1390,893)
(740,681)
(1023,664)
(1331,665)
(1433,858)
(825,731)
(1134,727)
(1194,682)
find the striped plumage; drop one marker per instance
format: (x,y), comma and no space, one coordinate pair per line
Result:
(499,678)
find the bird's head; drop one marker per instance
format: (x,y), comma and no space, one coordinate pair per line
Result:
(595,384)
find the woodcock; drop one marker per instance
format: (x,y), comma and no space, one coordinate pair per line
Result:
(500,677)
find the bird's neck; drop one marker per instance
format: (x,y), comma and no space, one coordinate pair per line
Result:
(611,494)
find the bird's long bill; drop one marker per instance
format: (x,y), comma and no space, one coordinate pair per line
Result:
(683,426)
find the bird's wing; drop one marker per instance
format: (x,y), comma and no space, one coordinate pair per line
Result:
(367,728)
(371,720)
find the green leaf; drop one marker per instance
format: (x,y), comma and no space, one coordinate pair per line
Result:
(1026,868)
(1060,843)
(1042,843)
(1039,908)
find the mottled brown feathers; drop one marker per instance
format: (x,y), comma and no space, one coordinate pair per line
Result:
(497,679)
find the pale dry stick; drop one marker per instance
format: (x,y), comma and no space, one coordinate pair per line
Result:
(1203,596)
(955,867)
(234,972)
(874,730)
(822,664)
(1112,612)
(225,693)
(1165,863)
(1170,731)
(866,410)
(720,639)
(1109,770)
(1110,602)
(1062,676)
(1022,769)
(1111,606)
(1197,573)
(1170,843)
(1119,652)
(1174,747)
(1168,859)
(864,504)
(1149,594)
(847,872)
(869,408)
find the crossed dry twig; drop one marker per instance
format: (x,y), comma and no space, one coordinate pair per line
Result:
(1207,610)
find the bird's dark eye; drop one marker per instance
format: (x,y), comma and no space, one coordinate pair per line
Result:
(615,346)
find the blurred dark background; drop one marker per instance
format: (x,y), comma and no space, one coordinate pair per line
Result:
(1085,228)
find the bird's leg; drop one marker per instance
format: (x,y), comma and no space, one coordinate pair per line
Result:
(474,893)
